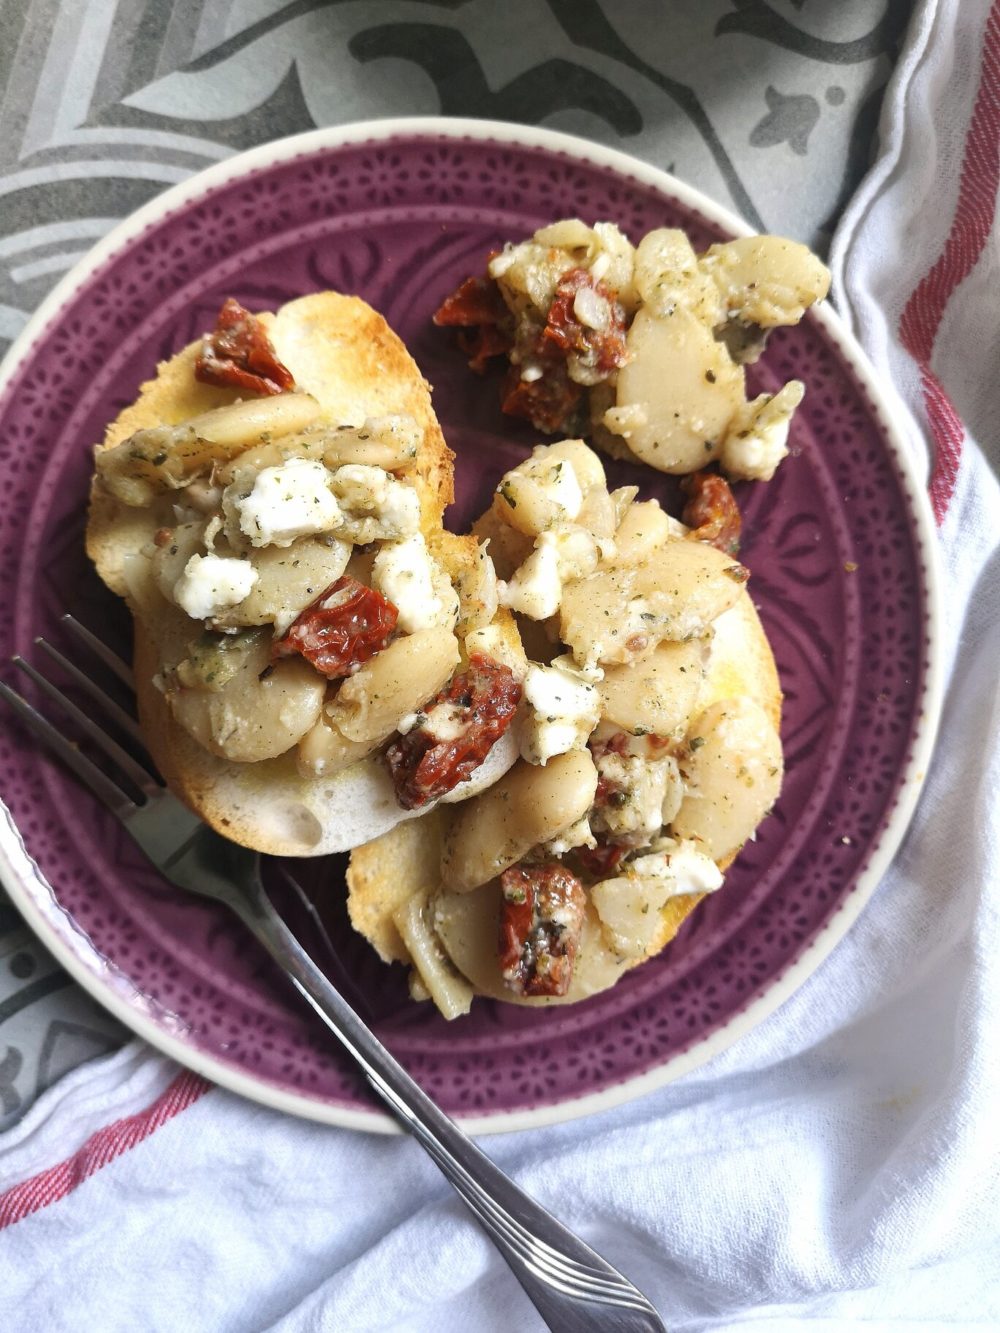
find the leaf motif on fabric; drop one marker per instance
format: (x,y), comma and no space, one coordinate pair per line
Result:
(790,119)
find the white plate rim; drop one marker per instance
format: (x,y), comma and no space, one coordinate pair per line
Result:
(17,867)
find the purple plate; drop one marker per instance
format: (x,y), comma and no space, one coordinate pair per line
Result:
(839,545)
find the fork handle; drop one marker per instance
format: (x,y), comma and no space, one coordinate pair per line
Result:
(572,1287)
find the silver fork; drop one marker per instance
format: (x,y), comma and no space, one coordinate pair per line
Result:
(572,1287)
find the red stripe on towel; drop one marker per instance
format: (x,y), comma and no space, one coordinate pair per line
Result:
(100,1149)
(970,230)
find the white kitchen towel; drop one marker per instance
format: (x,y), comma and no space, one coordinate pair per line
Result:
(841,1162)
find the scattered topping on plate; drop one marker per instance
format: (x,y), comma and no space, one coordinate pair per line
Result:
(641,348)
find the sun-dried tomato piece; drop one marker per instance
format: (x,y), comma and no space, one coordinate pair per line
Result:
(541,918)
(711,511)
(599,344)
(474,301)
(482,343)
(238,354)
(487,326)
(551,403)
(601,861)
(345,626)
(459,727)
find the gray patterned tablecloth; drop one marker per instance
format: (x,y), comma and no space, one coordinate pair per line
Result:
(770,108)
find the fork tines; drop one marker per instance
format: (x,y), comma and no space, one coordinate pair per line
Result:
(85,769)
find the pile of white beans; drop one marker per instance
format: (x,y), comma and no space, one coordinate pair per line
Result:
(679,401)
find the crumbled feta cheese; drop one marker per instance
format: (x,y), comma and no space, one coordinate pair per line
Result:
(558,482)
(211,584)
(546,487)
(410,578)
(287,502)
(446,721)
(376,506)
(578,551)
(681,866)
(564,710)
(637,789)
(757,438)
(500,263)
(577,835)
(535,588)
(629,904)
(559,555)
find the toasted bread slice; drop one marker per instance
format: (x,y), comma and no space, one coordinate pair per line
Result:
(344,354)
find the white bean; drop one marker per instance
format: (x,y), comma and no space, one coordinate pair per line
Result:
(617,615)
(394,682)
(686,387)
(688,584)
(169,560)
(539,493)
(584,461)
(629,910)
(732,776)
(567,234)
(508,548)
(598,513)
(657,694)
(467,925)
(324,750)
(445,985)
(288,579)
(258,713)
(528,275)
(391,442)
(237,425)
(766,280)
(164,458)
(528,806)
(667,277)
(476,585)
